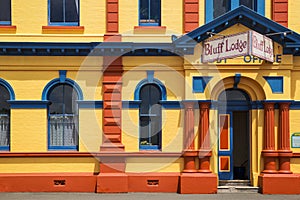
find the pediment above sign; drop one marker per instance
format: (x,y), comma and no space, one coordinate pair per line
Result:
(246,17)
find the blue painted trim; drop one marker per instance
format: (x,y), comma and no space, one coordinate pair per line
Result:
(57,81)
(171,104)
(148,24)
(146,81)
(261,7)
(5,23)
(90,104)
(149,147)
(4,148)
(237,79)
(150,76)
(276,83)
(9,88)
(62,75)
(57,148)
(209,10)
(200,83)
(247,17)
(26,104)
(131,104)
(234,4)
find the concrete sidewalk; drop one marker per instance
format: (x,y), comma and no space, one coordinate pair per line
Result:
(135,196)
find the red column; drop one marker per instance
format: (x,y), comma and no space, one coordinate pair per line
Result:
(189,147)
(112,104)
(191,15)
(284,151)
(269,152)
(204,140)
(112,21)
(280,12)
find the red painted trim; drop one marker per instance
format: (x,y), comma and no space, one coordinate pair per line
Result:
(112,37)
(63,28)
(153,182)
(191,15)
(269,139)
(189,162)
(204,138)
(112,16)
(92,154)
(112,101)
(279,183)
(150,27)
(198,183)
(48,182)
(8,28)
(280,12)
(284,139)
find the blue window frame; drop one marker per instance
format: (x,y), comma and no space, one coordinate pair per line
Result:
(149,12)
(216,8)
(63,12)
(5,12)
(63,117)
(150,117)
(4,118)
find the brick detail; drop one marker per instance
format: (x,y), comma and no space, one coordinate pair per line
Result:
(280,12)
(112,16)
(112,104)
(191,15)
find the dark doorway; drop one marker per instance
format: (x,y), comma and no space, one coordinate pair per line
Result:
(241,145)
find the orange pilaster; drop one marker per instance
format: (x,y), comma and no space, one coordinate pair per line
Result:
(112,104)
(269,152)
(284,151)
(191,15)
(204,140)
(280,12)
(112,21)
(189,147)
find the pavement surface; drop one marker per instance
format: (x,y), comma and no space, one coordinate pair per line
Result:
(135,196)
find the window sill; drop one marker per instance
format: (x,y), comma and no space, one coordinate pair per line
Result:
(63,29)
(8,29)
(150,29)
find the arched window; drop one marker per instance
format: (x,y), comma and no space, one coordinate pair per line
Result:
(63,117)
(150,117)
(4,118)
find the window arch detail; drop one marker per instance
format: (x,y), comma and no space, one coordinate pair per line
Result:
(6,94)
(147,81)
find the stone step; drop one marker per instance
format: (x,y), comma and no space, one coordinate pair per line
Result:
(234,183)
(237,189)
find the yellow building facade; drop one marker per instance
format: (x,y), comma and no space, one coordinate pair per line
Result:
(117,96)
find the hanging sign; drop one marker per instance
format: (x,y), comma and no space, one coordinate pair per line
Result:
(261,46)
(231,46)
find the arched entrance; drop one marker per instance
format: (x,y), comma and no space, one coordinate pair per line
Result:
(234,135)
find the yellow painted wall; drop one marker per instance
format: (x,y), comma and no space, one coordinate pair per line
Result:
(293,15)
(295,125)
(130,129)
(29,130)
(172,16)
(48,165)
(30,16)
(154,164)
(90,130)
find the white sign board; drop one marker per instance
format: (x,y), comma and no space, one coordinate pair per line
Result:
(262,46)
(226,47)
(231,46)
